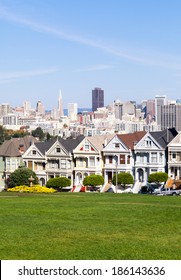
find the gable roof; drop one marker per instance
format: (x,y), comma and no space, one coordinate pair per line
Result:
(131,139)
(99,141)
(69,143)
(165,136)
(15,147)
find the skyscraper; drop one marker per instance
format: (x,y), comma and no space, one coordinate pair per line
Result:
(160,100)
(60,105)
(40,108)
(97,98)
(72,111)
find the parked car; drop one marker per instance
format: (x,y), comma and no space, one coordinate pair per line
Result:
(167,191)
(150,188)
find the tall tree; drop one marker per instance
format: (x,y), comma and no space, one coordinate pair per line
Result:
(38,132)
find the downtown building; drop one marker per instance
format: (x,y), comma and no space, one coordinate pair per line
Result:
(97,99)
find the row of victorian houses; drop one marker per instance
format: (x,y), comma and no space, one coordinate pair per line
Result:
(140,153)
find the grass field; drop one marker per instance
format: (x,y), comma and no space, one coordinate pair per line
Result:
(89,226)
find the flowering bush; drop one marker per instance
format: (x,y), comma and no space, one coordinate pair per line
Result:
(33,189)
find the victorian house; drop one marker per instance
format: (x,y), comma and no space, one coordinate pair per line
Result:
(52,158)
(119,154)
(174,158)
(150,153)
(11,152)
(88,157)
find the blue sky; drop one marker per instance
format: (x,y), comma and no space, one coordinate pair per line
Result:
(129,48)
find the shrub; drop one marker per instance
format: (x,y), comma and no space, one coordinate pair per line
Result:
(157,177)
(93,180)
(123,179)
(58,182)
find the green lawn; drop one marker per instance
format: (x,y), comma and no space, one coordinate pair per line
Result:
(83,226)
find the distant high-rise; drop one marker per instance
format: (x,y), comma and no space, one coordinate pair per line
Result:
(40,108)
(27,107)
(72,111)
(4,109)
(97,98)
(60,105)
(171,116)
(160,100)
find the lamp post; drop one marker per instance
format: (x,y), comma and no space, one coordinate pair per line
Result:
(116,160)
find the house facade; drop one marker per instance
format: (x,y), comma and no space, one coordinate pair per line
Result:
(150,154)
(117,158)
(174,158)
(88,157)
(52,158)
(11,152)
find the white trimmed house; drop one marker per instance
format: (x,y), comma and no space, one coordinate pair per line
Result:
(52,158)
(118,154)
(174,158)
(88,157)
(150,153)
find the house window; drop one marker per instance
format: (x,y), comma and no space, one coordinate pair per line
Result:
(122,159)
(148,143)
(80,162)
(86,147)
(92,161)
(110,159)
(53,164)
(160,157)
(30,164)
(63,163)
(128,159)
(13,164)
(58,150)
(174,155)
(116,145)
(68,164)
(35,165)
(154,157)
(34,152)
(7,164)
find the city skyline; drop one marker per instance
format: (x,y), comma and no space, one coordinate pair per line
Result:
(130,49)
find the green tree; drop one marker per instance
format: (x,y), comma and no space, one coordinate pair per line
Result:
(21,177)
(58,182)
(38,132)
(123,179)
(93,181)
(2,134)
(157,177)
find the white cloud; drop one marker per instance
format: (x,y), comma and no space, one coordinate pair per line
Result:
(11,76)
(148,58)
(38,27)
(95,68)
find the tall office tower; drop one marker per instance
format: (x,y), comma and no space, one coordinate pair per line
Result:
(4,109)
(40,108)
(97,98)
(160,100)
(60,105)
(118,109)
(27,107)
(171,116)
(72,111)
(150,109)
